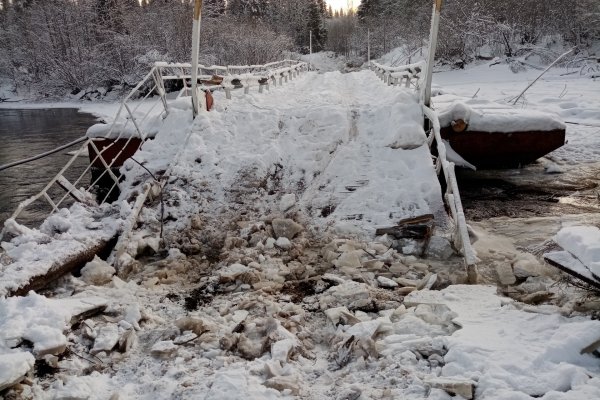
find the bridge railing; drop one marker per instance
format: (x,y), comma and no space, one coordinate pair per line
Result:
(462,240)
(410,75)
(138,118)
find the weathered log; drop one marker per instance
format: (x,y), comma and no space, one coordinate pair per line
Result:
(593,348)
(459,125)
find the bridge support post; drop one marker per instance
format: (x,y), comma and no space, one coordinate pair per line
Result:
(433,39)
(195,53)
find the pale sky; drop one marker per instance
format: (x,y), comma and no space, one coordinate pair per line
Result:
(337,4)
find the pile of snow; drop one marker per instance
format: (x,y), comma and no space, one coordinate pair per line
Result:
(403,56)
(357,149)
(14,365)
(513,354)
(584,243)
(41,321)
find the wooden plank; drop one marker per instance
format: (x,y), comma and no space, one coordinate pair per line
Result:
(564,261)
(420,228)
(75,193)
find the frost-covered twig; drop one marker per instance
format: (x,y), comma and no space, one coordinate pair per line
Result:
(542,74)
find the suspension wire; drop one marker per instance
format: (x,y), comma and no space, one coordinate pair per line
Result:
(46,154)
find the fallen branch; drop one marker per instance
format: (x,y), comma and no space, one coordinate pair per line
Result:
(542,74)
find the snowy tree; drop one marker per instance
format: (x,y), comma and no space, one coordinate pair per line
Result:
(214,8)
(253,8)
(316,24)
(109,16)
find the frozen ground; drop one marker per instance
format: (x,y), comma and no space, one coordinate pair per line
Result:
(261,295)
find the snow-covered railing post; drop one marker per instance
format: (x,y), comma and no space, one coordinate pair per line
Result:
(433,38)
(452,196)
(160,88)
(195,54)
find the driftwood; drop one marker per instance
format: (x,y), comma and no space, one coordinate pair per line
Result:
(593,348)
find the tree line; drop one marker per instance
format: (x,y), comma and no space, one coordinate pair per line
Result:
(54,45)
(475,28)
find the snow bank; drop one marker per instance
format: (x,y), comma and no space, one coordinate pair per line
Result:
(584,243)
(498,119)
(325,61)
(357,148)
(514,354)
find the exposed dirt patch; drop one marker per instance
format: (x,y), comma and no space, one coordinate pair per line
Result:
(298,290)
(199,297)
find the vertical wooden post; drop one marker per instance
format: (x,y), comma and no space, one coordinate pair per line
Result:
(310,42)
(195,53)
(433,38)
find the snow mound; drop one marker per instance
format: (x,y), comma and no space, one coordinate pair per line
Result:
(325,61)
(40,320)
(13,367)
(33,253)
(511,353)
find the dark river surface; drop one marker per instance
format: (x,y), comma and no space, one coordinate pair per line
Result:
(24,133)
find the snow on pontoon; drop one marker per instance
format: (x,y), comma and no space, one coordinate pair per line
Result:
(493,135)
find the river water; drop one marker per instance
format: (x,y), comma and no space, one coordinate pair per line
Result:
(24,133)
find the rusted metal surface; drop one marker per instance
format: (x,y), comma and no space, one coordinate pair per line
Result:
(110,149)
(488,150)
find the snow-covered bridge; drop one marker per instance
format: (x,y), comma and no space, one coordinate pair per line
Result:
(351,148)
(348,151)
